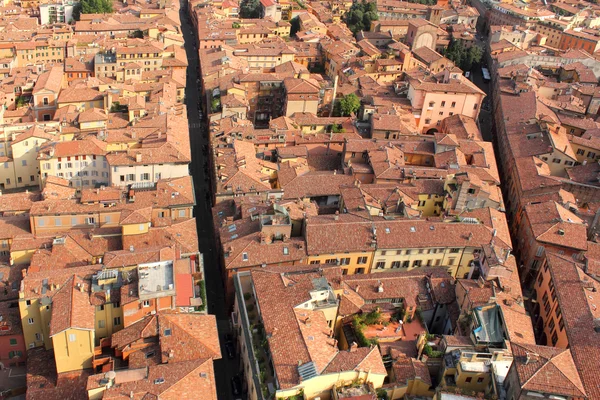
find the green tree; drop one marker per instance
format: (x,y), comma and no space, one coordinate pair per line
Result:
(462,57)
(215,104)
(473,57)
(295,26)
(137,34)
(250,9)
(361,15)
(235,25)
(92,7)
(349,104)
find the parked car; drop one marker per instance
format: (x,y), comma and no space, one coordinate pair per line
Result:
(230,350)
(236,385)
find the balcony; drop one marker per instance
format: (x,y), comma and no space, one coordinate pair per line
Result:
(254,337)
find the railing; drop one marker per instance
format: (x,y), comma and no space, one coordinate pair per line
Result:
(245,323)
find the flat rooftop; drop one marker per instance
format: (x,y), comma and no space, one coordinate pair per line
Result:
(156,280)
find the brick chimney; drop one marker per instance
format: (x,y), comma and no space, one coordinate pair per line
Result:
(353,347)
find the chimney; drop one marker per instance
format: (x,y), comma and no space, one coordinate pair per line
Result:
(131,248)
(380,288)
(470,236)
(531,358)
(480,282)
(353,347)
(356,289)
(138,158)
(337,215)
(171,354)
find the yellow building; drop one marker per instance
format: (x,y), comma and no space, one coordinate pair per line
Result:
(261,58)
(24,148)
(395,245)
(470,370)
(342,241)
(56,313)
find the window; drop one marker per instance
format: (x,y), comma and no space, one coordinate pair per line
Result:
(580,152)
(30,321)
(24,163)
(13,342)
(145,176)
(117,320)
(554,338)
(540,251)
(474,106)
(380,265)
(551,324)
(244,256)
(146,303)
(360,270)
(72,337)
(591,154)
(167,332)
(45,101)
(556,160)
(441,113)
(405,264)
(416,263)
(451,261)
(15,354)
(362,260)
(345,261)
(453,104)
(101,323)
(131,177)
(561,324)
(443,104)
(468,379)
(181,213)
(480,379)
(454,250)
(314,262)
(31,178)
(396,264)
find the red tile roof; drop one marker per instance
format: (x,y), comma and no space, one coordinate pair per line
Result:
(547,370)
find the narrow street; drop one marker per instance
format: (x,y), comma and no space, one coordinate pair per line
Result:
(225,368)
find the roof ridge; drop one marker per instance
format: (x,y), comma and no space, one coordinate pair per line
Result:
(174,322)
(564,353)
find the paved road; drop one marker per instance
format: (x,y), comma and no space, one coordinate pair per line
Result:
(485,117)
(224,368)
